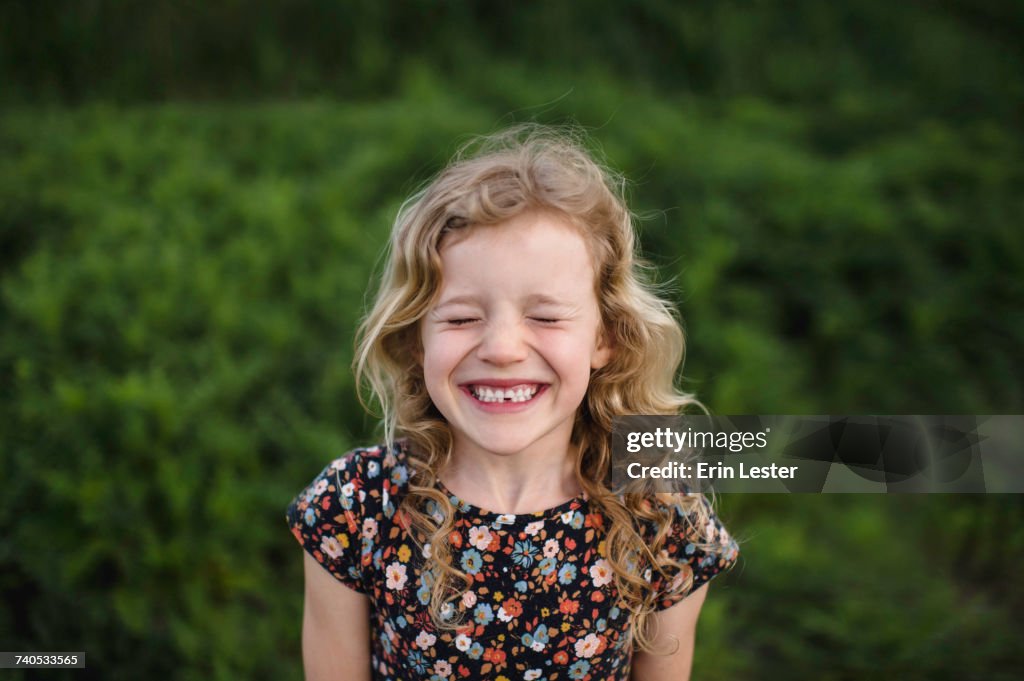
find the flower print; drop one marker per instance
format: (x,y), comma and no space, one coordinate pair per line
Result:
(567,517)
(537,639)
(614,612)
(521,586)
(567,573)
(522,553)
(425,640)
(601,624)
(396,577)
(399,475)
(426,551)
(463,642)
(495,655)
(533,528)
(331,546)
(404,553)
(532,675)
(369,528)
(480,537)
(690,549)
(512,608)
(547,566)
(483,614)
(346,503)
(442,668)
(469,599)
(337,465)
(348,489)
(447,610)
(601,572)
(434,511)
(579,669)
(569,607)
(561,657)
(589,645)
(577,520)
(551,548)
(309,516)
(475,651)
(372,469)
(423,594)
(320,488)
(418,662)
(472,561)
(505,519)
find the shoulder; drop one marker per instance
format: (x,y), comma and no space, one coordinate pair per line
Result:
(696,541)
(346,502)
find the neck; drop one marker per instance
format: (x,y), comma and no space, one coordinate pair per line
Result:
(526,482)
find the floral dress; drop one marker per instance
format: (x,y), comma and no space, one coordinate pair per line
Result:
(543,604)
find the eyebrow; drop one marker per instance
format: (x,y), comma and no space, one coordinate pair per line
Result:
(533,299)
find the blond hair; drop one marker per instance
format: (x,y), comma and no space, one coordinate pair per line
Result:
(491,180)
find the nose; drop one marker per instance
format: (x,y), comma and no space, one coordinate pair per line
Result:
(503,342)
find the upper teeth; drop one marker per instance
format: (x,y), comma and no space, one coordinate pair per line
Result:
(517,393)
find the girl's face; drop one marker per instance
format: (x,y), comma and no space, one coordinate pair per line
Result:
(509,346)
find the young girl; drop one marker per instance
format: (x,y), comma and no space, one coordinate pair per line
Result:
(482,540)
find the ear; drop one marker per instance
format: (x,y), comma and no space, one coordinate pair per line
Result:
(603,351)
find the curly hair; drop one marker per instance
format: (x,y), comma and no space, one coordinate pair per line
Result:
(491,180)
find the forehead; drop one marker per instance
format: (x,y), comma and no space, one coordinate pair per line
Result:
(531,253)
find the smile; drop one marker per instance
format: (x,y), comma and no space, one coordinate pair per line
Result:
(516,393)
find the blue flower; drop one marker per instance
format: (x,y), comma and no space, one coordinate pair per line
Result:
(372,469)
(577,521)
(522,553)
(601,624)
(399,474)
(310,516)
(401,622)
(521,586)
(614,612)
(472,561)
(579,669)
(418,662)
(547,566)
(346,502)
(539,636)
(567,573)
(483,614)
(423,593)
(475,651)
(690,548)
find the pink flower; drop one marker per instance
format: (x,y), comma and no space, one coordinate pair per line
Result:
(396,577)
(601,572)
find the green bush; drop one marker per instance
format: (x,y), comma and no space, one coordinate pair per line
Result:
(180,285)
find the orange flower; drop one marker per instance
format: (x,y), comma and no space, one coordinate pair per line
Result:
(569,607)
(561,657)
(455,538)
(512,607)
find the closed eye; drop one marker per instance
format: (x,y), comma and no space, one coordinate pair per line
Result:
(545,320)
(460,321)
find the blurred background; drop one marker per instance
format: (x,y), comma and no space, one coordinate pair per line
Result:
(193,198)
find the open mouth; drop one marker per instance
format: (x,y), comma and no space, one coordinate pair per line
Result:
(516,393)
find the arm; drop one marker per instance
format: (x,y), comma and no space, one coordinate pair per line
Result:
(335,628)
(673,631)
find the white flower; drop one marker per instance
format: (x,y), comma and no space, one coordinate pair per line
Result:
(369,528)
(348,489)
(532,529)
(531,675)
(426,550)
(469,599)
(538,646)
(338,464)
(567,517)
(551,548)
(331,546)
(587,646)
(480,537)
(463,642)
(601,572)
(396,576)
(321,487)
(506,519)
(442,668)
(425,640)
(447,611)
(504,616)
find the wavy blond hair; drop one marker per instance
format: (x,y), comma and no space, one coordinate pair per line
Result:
(493,179)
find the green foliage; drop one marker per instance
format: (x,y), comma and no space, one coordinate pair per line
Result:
(180,284)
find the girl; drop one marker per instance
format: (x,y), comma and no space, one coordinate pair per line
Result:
(482,540)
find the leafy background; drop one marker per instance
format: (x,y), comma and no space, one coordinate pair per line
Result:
(194,197)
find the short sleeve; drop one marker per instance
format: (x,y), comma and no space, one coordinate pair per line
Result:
(704,550)
(328,519)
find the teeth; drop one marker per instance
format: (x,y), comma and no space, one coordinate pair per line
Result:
(519,393)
